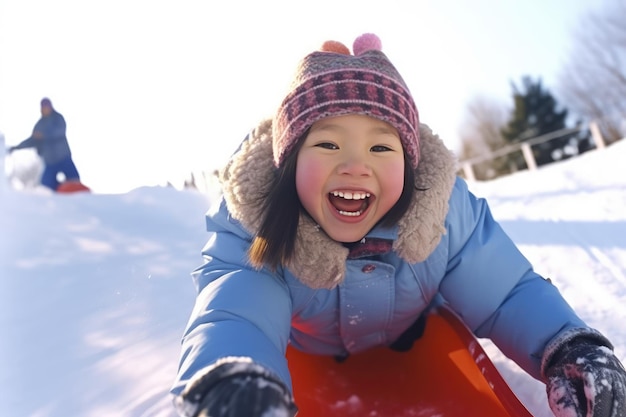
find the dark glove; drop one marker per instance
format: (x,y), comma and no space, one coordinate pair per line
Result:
(10,149)
(246,395)
(583,376)
(237,389)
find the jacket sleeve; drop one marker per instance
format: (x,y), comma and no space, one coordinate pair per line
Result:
(239,311)
(494,288)
(26,143)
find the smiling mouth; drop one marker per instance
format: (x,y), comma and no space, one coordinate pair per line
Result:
(350,203)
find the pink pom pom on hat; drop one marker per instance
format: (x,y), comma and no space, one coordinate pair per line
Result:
(367,42)
(332,82)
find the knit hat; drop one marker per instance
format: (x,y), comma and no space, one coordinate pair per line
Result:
(331,82)
(46,102)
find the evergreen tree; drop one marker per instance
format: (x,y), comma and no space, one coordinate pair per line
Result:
(534,114)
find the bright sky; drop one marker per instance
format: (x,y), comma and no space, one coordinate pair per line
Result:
(152,89)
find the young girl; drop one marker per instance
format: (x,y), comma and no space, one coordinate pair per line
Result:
(342,220)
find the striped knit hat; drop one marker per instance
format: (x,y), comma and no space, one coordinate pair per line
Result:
(331,82)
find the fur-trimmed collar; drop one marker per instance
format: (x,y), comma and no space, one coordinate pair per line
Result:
(319,261)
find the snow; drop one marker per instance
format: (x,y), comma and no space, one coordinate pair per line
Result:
(95,288)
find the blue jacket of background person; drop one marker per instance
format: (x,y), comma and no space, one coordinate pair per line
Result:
(50,141)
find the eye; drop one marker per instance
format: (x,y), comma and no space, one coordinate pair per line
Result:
(380,148)
(327,145)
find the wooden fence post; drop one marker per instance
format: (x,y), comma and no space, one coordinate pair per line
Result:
(529,157)
(596,134)
(468,171)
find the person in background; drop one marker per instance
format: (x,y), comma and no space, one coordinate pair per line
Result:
(49,139)
(342,221)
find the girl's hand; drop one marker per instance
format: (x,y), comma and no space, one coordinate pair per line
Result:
(236,387)
(586,379)
(247,396)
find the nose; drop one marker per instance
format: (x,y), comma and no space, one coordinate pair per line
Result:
(354,165)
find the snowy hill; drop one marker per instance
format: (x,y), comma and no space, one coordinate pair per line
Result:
(95,289)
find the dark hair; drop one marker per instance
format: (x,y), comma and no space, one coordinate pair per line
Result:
(274,243)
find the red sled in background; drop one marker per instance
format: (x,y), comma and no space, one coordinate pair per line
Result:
(72,187)
(446,373)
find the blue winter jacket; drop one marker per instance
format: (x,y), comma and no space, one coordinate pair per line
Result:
(447,245)
(52,146)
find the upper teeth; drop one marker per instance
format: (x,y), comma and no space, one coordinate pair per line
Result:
(350,195)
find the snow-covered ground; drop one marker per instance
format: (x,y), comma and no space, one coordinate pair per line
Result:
(95,288)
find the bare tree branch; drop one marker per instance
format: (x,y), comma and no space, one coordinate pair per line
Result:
(594,81)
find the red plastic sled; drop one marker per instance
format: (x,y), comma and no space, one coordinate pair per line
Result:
(446,373)
(72,187)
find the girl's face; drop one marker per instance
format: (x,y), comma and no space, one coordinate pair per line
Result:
(350,172)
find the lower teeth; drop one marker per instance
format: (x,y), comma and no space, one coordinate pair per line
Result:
(350,213)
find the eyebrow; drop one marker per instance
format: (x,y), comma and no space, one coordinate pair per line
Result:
(378,129)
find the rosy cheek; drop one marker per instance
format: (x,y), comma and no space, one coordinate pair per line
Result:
(309,183)
(392,184)
(303,180)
